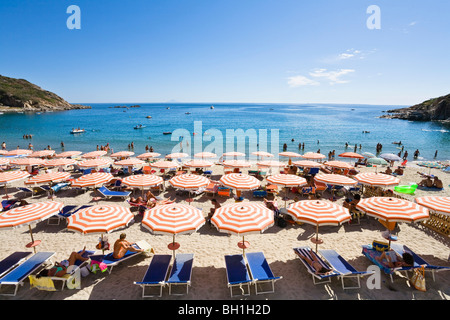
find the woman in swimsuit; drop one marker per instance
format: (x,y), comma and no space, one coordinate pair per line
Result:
(315,264)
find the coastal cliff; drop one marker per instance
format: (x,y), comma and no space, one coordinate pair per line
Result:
(19,95)
(437,109)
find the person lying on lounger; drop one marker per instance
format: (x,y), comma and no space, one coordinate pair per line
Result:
(60,268)
(427,182)
(121,246)
(437,183)
(315,264)
(393,260)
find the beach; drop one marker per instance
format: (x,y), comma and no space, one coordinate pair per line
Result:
(209,281)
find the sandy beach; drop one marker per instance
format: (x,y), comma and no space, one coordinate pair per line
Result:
(209,247)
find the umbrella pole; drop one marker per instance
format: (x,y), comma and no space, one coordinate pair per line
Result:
(32,239)
(317,237)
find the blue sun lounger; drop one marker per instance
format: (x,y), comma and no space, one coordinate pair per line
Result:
(237,274)
(181,271)
(399,248)
(108,193)
(156,274)
(62,214)
(17,276)
(342,266)
(12,261)
(317,278)
(260,271)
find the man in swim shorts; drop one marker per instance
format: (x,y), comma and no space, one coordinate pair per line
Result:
(121,246)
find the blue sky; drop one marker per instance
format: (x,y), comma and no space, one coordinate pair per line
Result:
(279,51)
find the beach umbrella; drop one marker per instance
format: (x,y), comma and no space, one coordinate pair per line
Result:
(94,180)
(393,210)
(335,179)
(236,164)
(4,161)
(239,182)
(290,155)
(164,164)
(173,219)
(189,182)
(205,155)
(59,162)
(319,213)
(390,157)
(271,163)
(440,205)
(12,176)
(122,154)
(198,164)
(41,153)
(142,181)
(148,155)
(313,156)
(28,215)
(377,161)
(338,164)
(94,163)
(262,154)
(68,154)
(233,154)
(18,152)
(369,155)
(377,179)
(351,155)
(3,152)
(430,165)
(130,162)
(287,181)
(243,218)
(49,177)
(26,162)
(94,154)
(177,155)
(307,164)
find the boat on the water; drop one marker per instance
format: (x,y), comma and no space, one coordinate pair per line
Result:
(77,131)
(187,113)
(167,132)
(148,117)
(139,126)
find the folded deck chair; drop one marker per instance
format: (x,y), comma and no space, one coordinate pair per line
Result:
(224,192)
(156,274)
(17,276)
(65,212)
(399,248)
(181,271)
(260,271)
(12,261)
(108,193)
(110,261)
(317,278)
(237,274)
(342,266)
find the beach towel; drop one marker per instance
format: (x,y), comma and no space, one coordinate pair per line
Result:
(43,283)
(98,266)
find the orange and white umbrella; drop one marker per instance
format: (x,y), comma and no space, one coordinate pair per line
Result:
(4,161)
(68,154)
(130,162)
(177,155)
(236,164)
(173,219)
(233,154)
(239,182)
(142,180)
(307,164)
(18,152)
(189,181)
(287,181)
(12,176)
(95,180)
(290,155)
(164,164)
(313,156)
(262,154)
(205,155)
(94,163)
(122,154)
(338,164)
(351,155)
(243,218)
(377,179)
(100,219)
(319,213)
(26,161)
(148,155)
(440,205)
(49,177)
(28,215)
(270,163)
(335,179)
(195,163)
(59,162)
(94,154)
(42,153)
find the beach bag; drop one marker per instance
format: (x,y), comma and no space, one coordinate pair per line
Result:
(281,222)
(84,271)
(380,246)
(98,266)
(418,279)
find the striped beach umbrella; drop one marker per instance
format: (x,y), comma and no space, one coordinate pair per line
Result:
(195,163)
(95,180)
(18,152)
(177,155)
(335,179)
(41,153)
(122,154)
(338,164)
(173,219)
(130,162)
(204,155)
(351,155)
(142,180)
(239,182)
(233,154)
(164,164)
(59,162)
(26,161)
(4,161)
(377,179)
(148,155)
(290,155)
(94,163)
(68,154)
(287,181)
(440,205)
(94,154)
(243,218)
(319,213)
(49,177)
(270,163)
(307,164)
(28,215)
(313,156)
(8,177)
(189,181)
(236,164)
(262,154)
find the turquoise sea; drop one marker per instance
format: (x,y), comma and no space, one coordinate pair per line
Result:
(319,126)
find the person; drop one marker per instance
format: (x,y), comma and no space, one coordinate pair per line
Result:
(416,154)
(121,246)
(315,264)
(60,268)
(351,204)
(427,182)
(435,154)
(388,170)
(212,210)
(3,146)
(438,183)
(399,171)
(284,147)
(393,260)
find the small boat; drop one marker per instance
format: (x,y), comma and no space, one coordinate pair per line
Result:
(148,117)
(187,113)
(77,131)
(167,132)
(140,126)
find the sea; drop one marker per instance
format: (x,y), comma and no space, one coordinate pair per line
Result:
(223,127)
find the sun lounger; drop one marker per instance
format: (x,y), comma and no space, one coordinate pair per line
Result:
(26,190)
(111,262)
(212,188)
(156,274)
(260,193)
(109,194)
(62,214)
(342,266)
(317,278)
(399,248)
(224,192)
(12,261)
(9,204)
(237,274)
(17,276)
(260,271)
(181,271)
